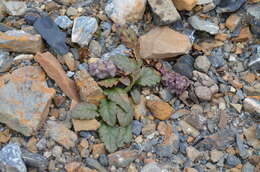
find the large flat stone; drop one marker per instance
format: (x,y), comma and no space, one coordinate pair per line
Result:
(24,99)
(163,42)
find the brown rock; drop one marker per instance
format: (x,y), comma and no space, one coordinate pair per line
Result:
(250,78)
(55,71)
(25,99)
(233,21)
(86,125)
(5,136)
(250,134)
(70,61)
(85,169)
(72,167)
(190,170)
(244,35)
(89,90)
(98,149)
(20,41)
(185,4)
(61,134)
(163,42)
(160,109)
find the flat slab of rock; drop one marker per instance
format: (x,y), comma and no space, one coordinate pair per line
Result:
(20,41)
(25,99)
(160,109)
(55,71)
(165,11)
(163,42)
(85,125)
(125,11)
(61,134)
(89,90)
(203,25)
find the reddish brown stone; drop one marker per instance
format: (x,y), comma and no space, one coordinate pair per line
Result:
(184,4)
(55,71)
(86,125)
(160,109)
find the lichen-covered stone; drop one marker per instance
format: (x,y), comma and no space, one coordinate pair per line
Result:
(25,99)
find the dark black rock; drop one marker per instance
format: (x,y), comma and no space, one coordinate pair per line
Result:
(103,160)
(232,161)
(217,58)
(137,127)
(225,6)
(50,32)
(258,131)
(34,160)
(184,66)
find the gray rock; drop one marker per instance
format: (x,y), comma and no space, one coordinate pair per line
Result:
(258,131)
(120,50)
(34,160)
(95,164)
(137,127)
(50,32)
(103,160)
(203,25)
(242,150)
(203,93)
(164,150)
(41,145)
(248,167)
(202,63)
(10,155)
(232,161)
(165,94)
(225,6)
(202,2)
(63,22)
(5,61)
(151,167)
(254,62)
(83,30)
(15,8)
(165,11)
(71,11)
(217,58)
(184,66)
(122,158)
(251,105)
(95,49)
(254,18)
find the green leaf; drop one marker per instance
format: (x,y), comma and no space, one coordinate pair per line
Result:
(124,136)
(148,77)
(124,118)
(136,96)
(108,112)
(115,137)
(84,111)
(109,136)
(124,63)
(108,83)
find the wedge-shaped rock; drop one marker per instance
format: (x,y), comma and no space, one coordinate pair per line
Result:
(20,41)
(24,99)
(55,71)
(163,42)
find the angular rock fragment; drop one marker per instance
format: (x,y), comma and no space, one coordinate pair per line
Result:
(226,6)
(185,4)
(163,42)
(122,12)
(203,25)
(89,90)
(61,134)
(50,32)
(254,62)
(251,105)
(25,99)
(55,71)
(63,22)
(20,41)
(233,21)
(85,125)
(160,109)
(15,8)
(34,160)
(123,158)
(83,30)
(165,11)
(184,66)
(254,18)
(5,61)
(251,138)
(10,157)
